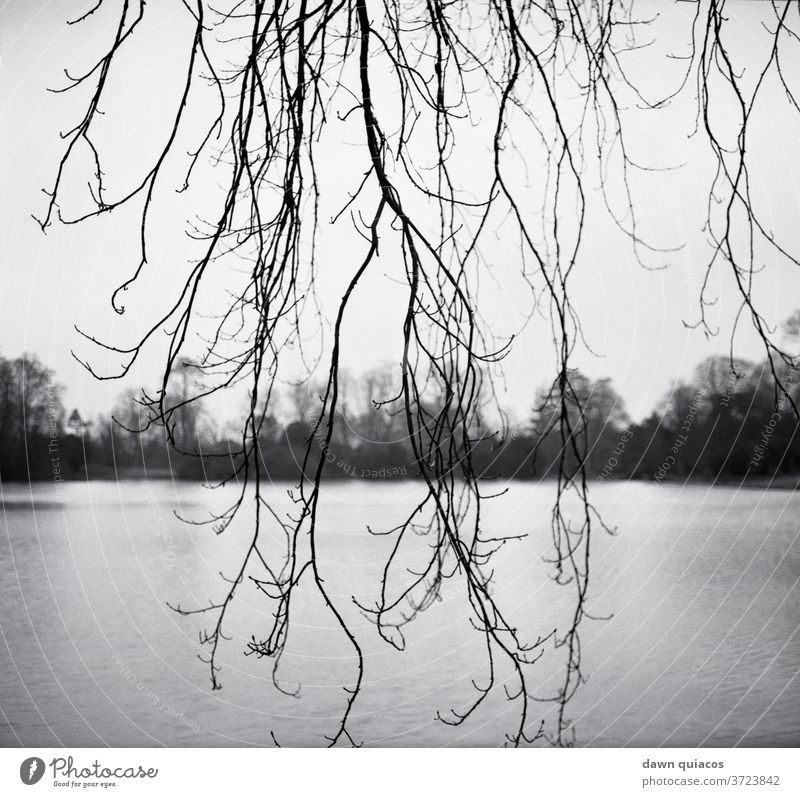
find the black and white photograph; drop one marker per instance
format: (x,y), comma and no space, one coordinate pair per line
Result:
(381,374)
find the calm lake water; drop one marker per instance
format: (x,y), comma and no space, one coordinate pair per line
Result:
(702,648)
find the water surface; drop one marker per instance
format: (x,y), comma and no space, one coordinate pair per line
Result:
(701,648)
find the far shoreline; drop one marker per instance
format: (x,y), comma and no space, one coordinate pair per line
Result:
(790,482)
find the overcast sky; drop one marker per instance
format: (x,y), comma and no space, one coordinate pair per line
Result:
(633,317)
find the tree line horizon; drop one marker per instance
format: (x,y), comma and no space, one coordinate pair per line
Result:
(726,422)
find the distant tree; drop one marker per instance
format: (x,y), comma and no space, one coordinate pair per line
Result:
(31,416)
(597,415)
(76,424)
(791,330)
(370,412)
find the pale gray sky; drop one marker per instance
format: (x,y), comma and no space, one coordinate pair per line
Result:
(632,317)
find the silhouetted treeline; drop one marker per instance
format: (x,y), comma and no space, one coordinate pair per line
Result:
(40,441)
(723,423)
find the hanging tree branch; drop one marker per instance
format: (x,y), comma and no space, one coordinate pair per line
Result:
(522,78)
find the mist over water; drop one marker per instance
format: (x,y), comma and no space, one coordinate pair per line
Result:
(701,648)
